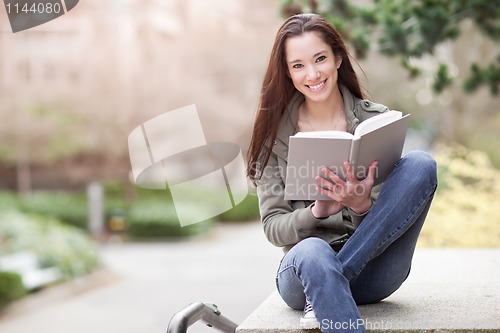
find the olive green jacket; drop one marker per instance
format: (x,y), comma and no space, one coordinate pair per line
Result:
(288,222)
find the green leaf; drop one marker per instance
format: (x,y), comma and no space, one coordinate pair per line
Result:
(442,80)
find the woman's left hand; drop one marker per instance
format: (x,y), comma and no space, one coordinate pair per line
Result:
(352,193)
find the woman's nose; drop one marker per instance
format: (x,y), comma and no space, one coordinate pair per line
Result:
(313,73)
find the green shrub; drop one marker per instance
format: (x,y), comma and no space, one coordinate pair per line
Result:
(115,189)
(463,212)
(114,196)
(114,192)
(11,288)
(8,201)
(67,207)
(150,214)
(158,218)
(246,210)
(56,244)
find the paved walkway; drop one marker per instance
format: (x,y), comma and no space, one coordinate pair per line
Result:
(146,283)
(233,266)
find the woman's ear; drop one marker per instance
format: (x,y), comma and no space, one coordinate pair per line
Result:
(338,62)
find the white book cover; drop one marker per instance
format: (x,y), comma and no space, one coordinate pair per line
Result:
(379,138)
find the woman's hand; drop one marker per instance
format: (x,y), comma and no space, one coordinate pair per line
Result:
(352,193)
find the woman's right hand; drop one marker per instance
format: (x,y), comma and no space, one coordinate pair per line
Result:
(325,208)
(352,193)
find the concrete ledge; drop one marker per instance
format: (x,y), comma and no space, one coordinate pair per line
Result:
(452,290)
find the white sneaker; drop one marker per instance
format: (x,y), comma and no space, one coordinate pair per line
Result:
(308,320)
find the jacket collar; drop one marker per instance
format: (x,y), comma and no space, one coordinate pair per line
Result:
(289,120)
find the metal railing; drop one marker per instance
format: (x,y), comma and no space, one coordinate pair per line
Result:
(207,312)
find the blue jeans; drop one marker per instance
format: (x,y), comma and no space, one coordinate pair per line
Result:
(374,262)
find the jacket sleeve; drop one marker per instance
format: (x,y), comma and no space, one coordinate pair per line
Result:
(283,224)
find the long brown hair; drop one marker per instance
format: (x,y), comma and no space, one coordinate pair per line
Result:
(278,89)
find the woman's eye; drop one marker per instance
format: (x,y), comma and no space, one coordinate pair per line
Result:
(321,58)
(297,66)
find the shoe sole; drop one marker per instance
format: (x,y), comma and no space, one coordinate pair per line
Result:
(309,324)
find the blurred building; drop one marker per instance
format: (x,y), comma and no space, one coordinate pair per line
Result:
(72,89)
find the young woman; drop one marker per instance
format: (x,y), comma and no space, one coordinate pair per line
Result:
(357,247)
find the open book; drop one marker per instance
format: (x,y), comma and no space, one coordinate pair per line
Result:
(379,138)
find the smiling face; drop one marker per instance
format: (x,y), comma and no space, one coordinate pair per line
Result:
(312,66)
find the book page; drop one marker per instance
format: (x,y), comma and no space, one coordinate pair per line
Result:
(306,156)
(383,145)
(377,121)
(324,134)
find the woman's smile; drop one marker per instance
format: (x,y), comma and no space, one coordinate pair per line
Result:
(318,87)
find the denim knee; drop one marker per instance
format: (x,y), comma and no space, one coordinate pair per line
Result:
(312,255)
(315,256)
(420,166)
(312,248)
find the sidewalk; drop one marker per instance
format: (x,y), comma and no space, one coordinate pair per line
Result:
(146,283)
(233,266)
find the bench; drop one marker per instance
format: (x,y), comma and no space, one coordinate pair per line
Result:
(448,290)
